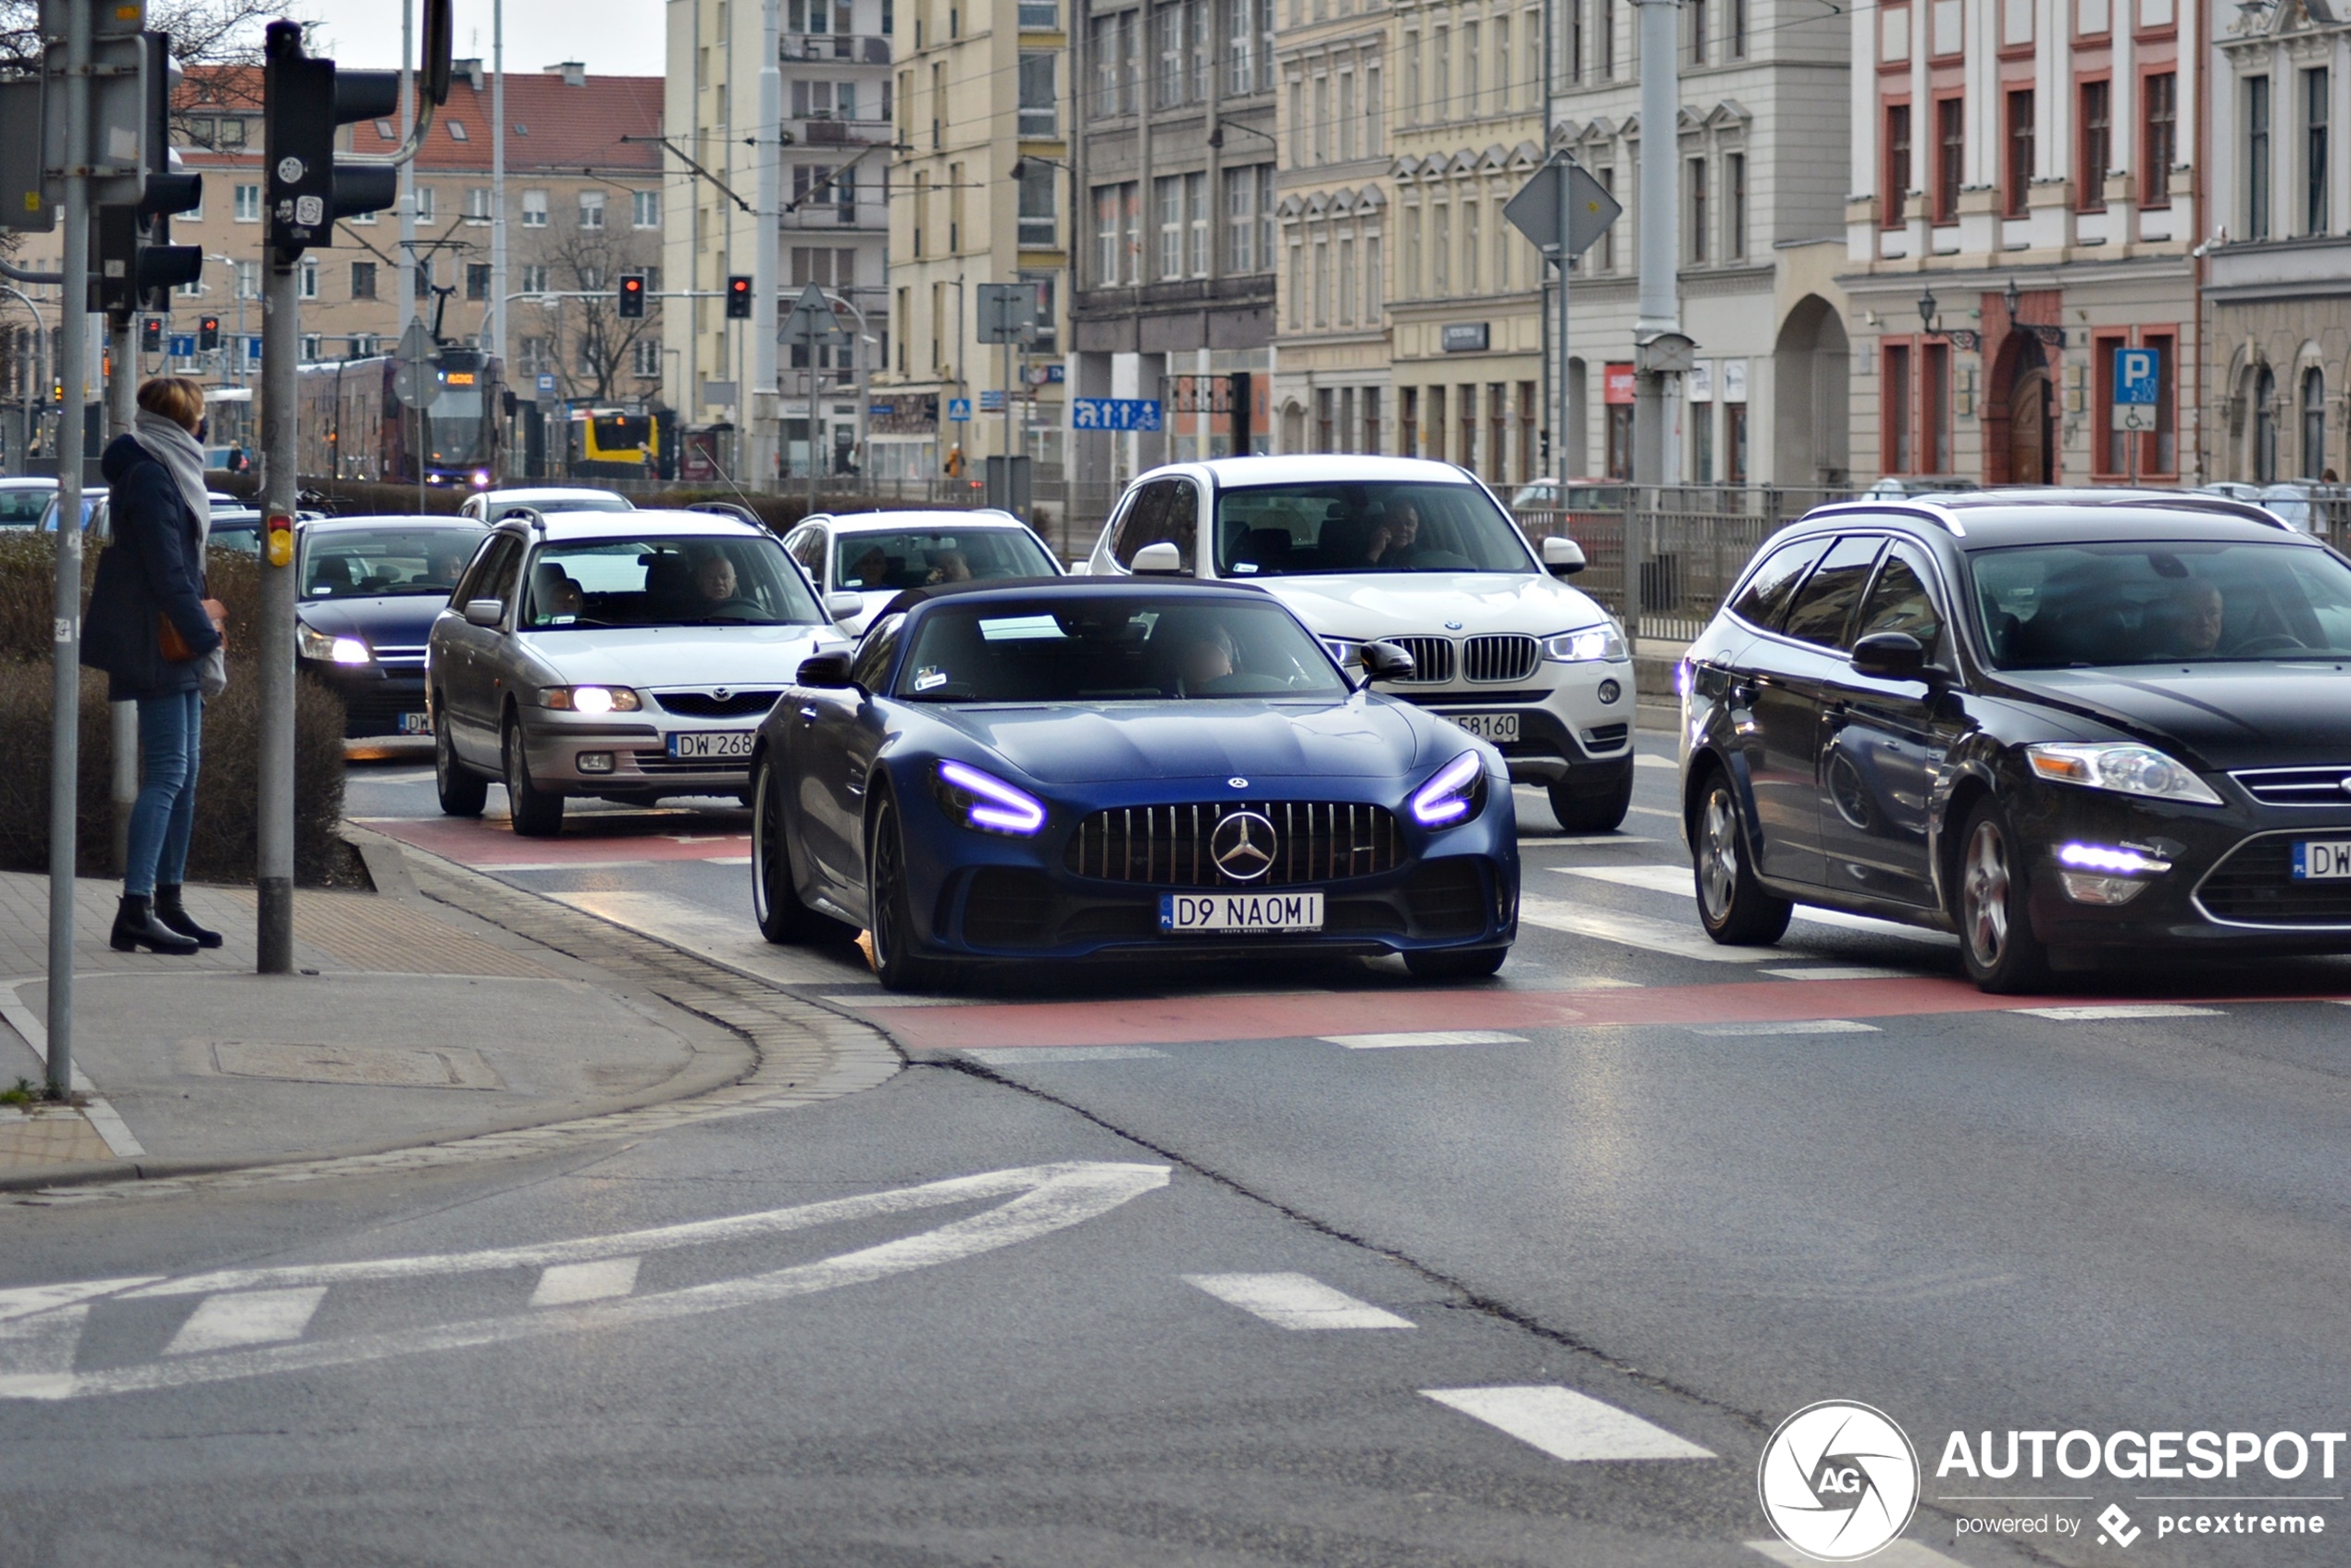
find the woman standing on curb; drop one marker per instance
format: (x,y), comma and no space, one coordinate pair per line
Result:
(159,639)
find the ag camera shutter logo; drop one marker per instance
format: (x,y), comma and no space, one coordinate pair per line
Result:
(1838,1481)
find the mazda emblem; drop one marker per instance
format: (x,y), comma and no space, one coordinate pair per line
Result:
(1242,846)
(722,694)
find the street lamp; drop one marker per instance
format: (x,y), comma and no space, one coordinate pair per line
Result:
(1927,310)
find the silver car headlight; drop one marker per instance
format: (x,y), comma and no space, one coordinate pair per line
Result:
(1585,644)
(2125,767)
(591,699)
(318,645)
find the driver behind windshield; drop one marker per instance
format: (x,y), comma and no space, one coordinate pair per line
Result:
(1208,657)
(715,580)
(2188,624)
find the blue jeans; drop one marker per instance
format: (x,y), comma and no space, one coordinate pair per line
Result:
(170,735)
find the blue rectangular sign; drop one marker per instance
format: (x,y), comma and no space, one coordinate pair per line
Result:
(183,345)
(959,409)
(991,400)
(2135,375)
(1114,412)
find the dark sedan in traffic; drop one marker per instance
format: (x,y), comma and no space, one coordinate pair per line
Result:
(2070,726)
(368,588)
(1080,767)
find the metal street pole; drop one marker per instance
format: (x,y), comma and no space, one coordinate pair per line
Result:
(762,400)
(64,746)
(494,339)
(123,718)
(274,659)
(1658,311)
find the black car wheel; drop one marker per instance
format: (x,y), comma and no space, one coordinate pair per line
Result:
(1996,928)
(1443,966)
(1600,811)
(1736,909)
(893,922)
(463,791)
(537,813)
(782,916)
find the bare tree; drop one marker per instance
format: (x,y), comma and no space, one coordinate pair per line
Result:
(203,32)
(594,361)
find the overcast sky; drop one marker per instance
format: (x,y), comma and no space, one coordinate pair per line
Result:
(614,37)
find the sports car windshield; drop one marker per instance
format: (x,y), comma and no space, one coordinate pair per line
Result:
(1364,526)
(1112,650)
(656,580)
(2056,606)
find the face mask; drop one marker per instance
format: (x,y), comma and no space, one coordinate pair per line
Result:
(203,430)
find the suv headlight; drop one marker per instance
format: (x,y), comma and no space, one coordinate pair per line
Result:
(1585,644)
(985,803)
(2125,767)
(1454,794)
(317,644)
(591,699)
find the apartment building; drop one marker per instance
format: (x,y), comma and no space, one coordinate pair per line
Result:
(2026,172)
(1173,290)
(979,194)
(2278,281)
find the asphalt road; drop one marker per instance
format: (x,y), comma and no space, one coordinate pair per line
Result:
(1321,1267)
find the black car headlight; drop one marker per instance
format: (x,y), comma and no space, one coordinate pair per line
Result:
(2125,767)
(330,649)
(985,803)
(1454,794)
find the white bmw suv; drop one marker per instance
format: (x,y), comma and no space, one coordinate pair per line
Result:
(1420,554)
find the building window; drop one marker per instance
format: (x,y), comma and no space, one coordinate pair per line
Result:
(1037,211)
(423,289)
(2314,151)
(248,204)
(1408,422)
(2017,194)
(1411,253)
(1411,79)
(1375,283)
(2161,149)
(1106,247)
(1526,405)
(1196,217)
(592,209)
(2097,145)
(1897,164)
(1265,218)
(1697,206)
(644,209)
(1699,41)
(534,278)
(1951,157)
(1739,39)
(2163,446)
(1038,116)
(1575,40)
(477,279)
(1440,253)
(1607,248)
(1240,49)
(427,203)
(1240,220)
(1469,247)
(477,203)
(1441,74)
(2265,427)
(1168,190)
(1371,439)
(307,275)
(1898,431)
(1296,285)
(645,359)
(1935,391)
(1168,36)
(537,356)
(314,346)
(1734,442)
(1040,16)
(1322,119)
(1735,206)
(534,209)
(1701,419)
(2257,159)
(1608,37)
(2314,414)
(1472,72)
(363,279)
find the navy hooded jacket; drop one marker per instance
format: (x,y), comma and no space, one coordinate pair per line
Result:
(154,566)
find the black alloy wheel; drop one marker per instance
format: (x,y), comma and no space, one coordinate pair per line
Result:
(1600,811)
(463,791)
(894,923)
(1994,917)
(775,904)
(1736,909)
(537,813)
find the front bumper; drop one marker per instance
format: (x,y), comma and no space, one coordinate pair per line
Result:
(1572,731)
(377,700)
(565,748)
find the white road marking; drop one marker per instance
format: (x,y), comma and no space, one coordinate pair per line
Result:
(2119,1010)
(1789,1026)
(1645,760)
(1677,880)
(1806,914)
(1893,1554)
(1018,1055)
(1425,1037)
(246,1318)
(599,1281)
(42,1346)
(1296,1300)
(1587,842)
(1036,1201)
(731,939)
(110,1127)
(1655,811)
(1567,1425)
(1849,972)
(1633,930)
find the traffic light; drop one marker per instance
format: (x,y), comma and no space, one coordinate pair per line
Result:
(304,100)
(632,296)
(207,333)
(151,335)
(738,298)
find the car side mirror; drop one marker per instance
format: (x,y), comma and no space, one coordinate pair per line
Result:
(1386,661)
(844,606)
(1563,557)
(1161,560)
(1890,656)
(825,670)
(486,612)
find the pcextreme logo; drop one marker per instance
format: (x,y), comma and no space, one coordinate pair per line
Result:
(1838,1481)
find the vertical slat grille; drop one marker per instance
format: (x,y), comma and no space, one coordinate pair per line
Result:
(1432,658)
(1499,658)
(1168,846)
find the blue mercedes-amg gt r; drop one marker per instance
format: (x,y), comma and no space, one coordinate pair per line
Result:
(1084,769)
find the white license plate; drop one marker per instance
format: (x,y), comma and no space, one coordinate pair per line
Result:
(416,724)
(717,744)
(1488,726)
(2321,860)
(1240,911)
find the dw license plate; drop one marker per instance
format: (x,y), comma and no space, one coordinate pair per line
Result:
(1488,726)
(416,724)
(1179,913)
(716,745)
(2322,860)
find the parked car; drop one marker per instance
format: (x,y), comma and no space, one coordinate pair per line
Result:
(1580,495)
(25,503)
(873,556)
(627,655)
(1103,768)
(2087,723)
(1894,487)
(367,592)
(491,504)
(1420,554)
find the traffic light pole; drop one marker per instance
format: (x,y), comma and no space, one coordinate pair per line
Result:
(274,659)
(122,402)
(64,746)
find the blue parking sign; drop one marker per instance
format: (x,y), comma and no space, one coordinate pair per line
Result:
(2135,375)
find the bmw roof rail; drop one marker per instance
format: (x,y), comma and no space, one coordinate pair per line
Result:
(1943,517)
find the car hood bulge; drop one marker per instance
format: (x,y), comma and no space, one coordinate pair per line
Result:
(679,655)
(1238,737)
(393,620)
(2266,715)
(1426,603)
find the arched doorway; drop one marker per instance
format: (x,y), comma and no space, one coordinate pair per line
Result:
(2314,422)
(1810,429)
(2265,427)
(2022,445)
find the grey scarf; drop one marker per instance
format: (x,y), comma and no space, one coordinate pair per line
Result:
(168,442)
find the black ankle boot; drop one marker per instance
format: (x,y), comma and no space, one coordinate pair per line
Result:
(135,927)
(173,915)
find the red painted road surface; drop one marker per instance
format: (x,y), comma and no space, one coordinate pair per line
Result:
(588,837)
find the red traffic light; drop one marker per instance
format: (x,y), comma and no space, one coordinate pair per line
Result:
(208,332)
(632,296)
(738,298)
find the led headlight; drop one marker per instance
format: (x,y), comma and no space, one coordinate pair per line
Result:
(985,803)
(1453,794)
(592,699)
(1585,644)
(2125,767)
(317,644)
(1347,651)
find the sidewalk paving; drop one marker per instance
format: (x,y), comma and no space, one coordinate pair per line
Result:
(410,1022)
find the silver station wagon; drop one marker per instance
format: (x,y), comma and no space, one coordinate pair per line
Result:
(627,655)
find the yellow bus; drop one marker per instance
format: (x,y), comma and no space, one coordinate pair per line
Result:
(611,444)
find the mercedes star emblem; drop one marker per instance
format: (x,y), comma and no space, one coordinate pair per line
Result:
(1243,783)
(1242,846)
